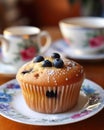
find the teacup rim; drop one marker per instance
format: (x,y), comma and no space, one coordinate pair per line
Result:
(9,30)
(66,22)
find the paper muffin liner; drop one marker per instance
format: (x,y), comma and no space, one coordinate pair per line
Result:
(51,99)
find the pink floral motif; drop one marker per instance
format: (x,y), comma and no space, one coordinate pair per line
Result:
(28,54)
(67,40)
(96,41)
(84,113)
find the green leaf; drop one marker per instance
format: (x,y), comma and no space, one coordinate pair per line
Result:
(85,43)
(21,45)
(89,35)
(17,59)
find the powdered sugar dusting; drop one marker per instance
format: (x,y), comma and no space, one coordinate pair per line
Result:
(68,68)
(66,79)
(51,72)
(55,81)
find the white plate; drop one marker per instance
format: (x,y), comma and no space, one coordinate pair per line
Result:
(12,106)
(62,47)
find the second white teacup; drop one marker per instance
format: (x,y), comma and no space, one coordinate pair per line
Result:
(84,35)
(20,44)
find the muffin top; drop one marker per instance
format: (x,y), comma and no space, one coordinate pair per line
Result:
(50,71)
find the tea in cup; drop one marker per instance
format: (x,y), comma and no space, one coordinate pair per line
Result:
(20,44)
(84,35)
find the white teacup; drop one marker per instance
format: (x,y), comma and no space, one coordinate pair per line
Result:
(20,44)
(85,35)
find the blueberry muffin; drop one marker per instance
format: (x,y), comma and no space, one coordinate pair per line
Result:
(51,84)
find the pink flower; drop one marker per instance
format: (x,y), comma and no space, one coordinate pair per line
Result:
(96,41)
(28,53)
(78,115)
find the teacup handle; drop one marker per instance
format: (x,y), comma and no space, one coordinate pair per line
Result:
(46,45)
(6,42)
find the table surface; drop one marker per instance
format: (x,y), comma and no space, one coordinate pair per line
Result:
(94,71)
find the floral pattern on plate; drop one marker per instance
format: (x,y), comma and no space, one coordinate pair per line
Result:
(12,108)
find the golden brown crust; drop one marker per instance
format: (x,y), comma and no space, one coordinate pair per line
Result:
(50,76)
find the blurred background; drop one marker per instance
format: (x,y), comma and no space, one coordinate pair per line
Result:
(43,13)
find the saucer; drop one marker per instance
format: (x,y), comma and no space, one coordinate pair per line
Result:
(7,69)
(13,106)
(62,47)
